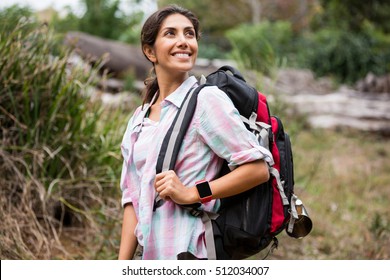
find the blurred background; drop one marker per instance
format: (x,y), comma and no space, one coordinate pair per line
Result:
(72,72)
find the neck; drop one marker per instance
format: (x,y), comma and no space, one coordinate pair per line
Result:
(168,83)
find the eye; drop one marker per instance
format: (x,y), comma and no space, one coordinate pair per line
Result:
(190,33)
(169,33)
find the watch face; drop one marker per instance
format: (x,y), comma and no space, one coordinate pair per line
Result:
(204,189)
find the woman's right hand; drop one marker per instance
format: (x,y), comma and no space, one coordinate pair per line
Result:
(169,186)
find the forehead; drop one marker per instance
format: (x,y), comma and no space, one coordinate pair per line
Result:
(176,21)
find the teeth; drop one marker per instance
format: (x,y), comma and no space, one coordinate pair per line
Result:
(182,55)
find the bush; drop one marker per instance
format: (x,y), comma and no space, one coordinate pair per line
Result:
(59,153)
(260,47)
(346,55)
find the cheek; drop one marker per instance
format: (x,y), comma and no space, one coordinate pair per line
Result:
(195,48)
(163,49)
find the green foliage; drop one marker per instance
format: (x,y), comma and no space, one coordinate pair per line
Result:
(260,47)
(348,40)
(132,32)
(62,25)
(352,14)
(102,18)
(346,55)
(57,147)
(11,16)
(343,44)
(211,51)
(129,80)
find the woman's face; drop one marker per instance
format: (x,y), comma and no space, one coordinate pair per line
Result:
(176,47)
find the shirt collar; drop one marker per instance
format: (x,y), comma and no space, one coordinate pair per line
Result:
(139,117)
(175,98)
(180,93)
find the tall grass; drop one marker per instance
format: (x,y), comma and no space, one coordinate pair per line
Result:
(59,153)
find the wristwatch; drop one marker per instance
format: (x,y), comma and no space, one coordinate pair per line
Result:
(204,191)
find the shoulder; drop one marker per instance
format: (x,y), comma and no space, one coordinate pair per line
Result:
(209,90)
(138,115)
(214,107)
(135,120)
(211,98)
(138,110)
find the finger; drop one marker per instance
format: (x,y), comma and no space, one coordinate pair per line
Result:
(167,187)
(165,195)
(159,180)
(160,188)
(167,177)
(160,175)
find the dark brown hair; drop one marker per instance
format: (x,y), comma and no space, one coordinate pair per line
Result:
(149,34)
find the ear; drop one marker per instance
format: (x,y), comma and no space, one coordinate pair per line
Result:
(149,53)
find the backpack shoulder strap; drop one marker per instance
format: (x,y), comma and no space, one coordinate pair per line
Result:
(172,141)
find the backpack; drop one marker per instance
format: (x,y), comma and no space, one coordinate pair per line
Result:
(248,222)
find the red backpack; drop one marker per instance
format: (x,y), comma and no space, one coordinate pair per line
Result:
(248,222)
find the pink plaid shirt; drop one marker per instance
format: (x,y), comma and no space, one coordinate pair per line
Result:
(216,133)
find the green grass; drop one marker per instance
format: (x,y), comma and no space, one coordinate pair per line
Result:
(343,179)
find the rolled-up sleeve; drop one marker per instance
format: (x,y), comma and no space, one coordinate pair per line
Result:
(221,128)
(126,198)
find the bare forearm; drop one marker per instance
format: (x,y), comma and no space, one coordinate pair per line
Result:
(128,239)
(240,179)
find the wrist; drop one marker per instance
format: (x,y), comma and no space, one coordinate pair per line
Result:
(195,198)
(204,191)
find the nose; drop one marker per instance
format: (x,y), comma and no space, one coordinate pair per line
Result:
(182,40)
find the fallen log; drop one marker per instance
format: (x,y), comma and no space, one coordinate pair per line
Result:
(122,58)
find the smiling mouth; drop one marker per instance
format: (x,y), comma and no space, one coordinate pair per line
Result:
(182,55)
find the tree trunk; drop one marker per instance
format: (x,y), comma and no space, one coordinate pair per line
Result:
(255,7)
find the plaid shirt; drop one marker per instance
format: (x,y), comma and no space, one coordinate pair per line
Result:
(216,133)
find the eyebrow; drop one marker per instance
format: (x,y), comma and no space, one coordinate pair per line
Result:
(175,28)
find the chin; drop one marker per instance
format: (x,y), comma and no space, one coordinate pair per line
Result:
(189,66)
(185,68)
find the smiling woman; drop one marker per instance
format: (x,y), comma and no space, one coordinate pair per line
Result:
(153,31)
(167,230)
(173,54)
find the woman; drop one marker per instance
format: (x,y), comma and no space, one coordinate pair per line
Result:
(170,42)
